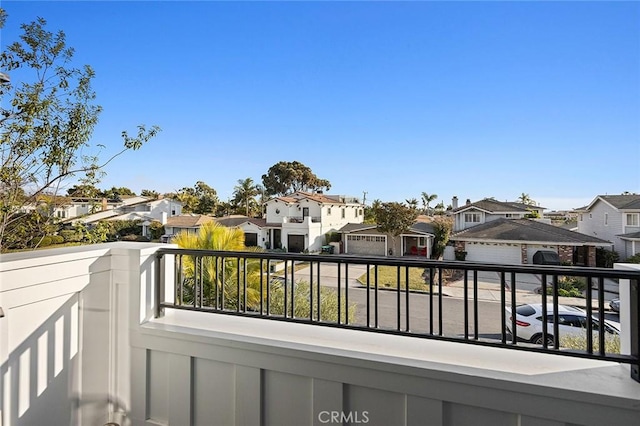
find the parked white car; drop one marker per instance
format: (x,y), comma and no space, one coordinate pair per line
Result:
(571,321)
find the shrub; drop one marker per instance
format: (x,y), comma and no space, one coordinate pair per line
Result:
(569,287)
(44,242)
(130,237)
(70,235)
(606,258)
(57,239)
(328,302)
(611,343)
(633,259)
(460,255)
(157,230)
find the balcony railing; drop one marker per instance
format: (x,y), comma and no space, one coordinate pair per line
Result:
(300,219)
(246,284)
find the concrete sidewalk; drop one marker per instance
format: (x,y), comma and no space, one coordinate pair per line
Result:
(489,291)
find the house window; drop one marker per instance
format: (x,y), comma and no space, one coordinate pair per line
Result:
(344,213)
(512,215)
(472,217)
(606,219)
(580,218)
(633,219)
(328,211)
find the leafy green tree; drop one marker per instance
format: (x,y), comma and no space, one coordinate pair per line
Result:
(116,193)
(149,193)
(201,199)
(287,177)
(369,212)
(426,200)
(394,218)
(83,191)
(48,122)
(442,226)
(244,194)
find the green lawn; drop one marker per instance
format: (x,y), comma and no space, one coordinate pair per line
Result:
(388,278)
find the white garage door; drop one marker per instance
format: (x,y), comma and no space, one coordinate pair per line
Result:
(493,253)
(366,245)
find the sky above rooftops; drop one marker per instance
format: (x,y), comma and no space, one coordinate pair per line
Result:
(473,99)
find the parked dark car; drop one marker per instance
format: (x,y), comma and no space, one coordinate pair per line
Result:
(546,257)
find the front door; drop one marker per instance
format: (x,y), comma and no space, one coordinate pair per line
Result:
(277,239)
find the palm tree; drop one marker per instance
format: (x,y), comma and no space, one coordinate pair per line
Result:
(245,192)
(525,199)
(412,203)
(426,199)
(219,275)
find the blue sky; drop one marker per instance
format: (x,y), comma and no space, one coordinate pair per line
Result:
(473,99)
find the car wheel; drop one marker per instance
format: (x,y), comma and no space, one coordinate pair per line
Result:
(538,340)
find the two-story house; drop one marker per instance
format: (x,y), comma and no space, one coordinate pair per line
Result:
(488,209)
(143,209)
(500,232)
(615,218)
(299,221)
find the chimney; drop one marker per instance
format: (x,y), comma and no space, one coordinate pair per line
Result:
(163,218)
(104,204)
(454,202)
(468,201)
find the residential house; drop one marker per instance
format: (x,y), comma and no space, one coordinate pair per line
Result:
(615,218)
(487,210)
(184,223)
(256,231)
(298,222)
(144,209)
(367,240)
(515,241)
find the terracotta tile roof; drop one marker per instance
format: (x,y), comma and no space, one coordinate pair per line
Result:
(319,198)
(188,221)
(525,230)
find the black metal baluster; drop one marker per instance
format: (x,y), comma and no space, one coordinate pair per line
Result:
(602,331)
(319,298)
(589,316)
(544,311)
(431,276)
(503,304)
(556,323)
(398,302)
(466,304)
(440,332)
(346,294)
(475,304)
(375,296)
(514,332)
(339,296)
(406,307)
